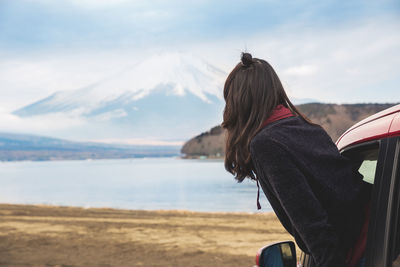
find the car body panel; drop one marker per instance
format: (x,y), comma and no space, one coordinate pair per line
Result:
(395,126)
(383,124)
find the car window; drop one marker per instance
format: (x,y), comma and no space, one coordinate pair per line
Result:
(367,169)
(366,158)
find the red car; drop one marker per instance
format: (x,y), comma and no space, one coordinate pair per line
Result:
(376,141)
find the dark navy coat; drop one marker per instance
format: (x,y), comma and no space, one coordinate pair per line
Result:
(317,194)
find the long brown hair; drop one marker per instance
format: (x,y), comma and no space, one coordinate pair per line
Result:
(252,90)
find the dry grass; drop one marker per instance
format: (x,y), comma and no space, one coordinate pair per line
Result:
(66,236)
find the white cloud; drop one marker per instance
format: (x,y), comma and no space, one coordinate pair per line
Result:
(356,62)
(25,79)
(302,70)
(39,124)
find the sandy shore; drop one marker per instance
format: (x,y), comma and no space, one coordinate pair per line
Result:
(69,236)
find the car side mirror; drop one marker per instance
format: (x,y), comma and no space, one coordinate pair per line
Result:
(282,254)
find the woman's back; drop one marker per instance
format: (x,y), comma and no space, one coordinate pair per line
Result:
(315,191)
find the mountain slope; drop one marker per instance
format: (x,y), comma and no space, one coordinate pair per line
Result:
(335,119)
(176,74)
(167,97)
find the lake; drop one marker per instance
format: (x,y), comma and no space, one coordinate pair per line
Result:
(141,183)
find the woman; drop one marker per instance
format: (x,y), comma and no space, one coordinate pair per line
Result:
(316,193)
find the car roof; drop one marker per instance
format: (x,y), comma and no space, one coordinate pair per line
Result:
(380,125)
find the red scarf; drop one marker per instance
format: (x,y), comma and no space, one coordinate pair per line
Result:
(279,112)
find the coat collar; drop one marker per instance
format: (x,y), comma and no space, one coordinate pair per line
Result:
(279,112)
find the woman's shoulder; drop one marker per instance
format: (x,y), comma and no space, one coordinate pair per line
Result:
(285,125)
(269,135)
(290,131)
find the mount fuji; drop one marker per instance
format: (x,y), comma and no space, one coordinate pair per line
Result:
(167,97)
(170,96)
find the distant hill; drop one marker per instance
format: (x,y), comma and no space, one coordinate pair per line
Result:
(38,148)
(335,119)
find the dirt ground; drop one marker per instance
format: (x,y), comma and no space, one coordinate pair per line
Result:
(69,236)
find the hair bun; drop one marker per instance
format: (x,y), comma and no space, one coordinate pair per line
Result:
(247,59)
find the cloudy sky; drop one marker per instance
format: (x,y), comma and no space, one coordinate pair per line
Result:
(332,51)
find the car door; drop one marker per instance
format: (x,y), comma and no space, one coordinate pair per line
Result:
(383,241)
(378,162)
(396,230)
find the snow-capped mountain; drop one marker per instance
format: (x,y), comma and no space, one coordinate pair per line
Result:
(175,73)
(170,96)
(167,96)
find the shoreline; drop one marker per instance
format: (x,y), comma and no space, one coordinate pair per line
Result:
(116,208)
(177,156)
(44,235)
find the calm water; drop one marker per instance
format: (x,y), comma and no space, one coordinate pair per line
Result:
(150,183)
